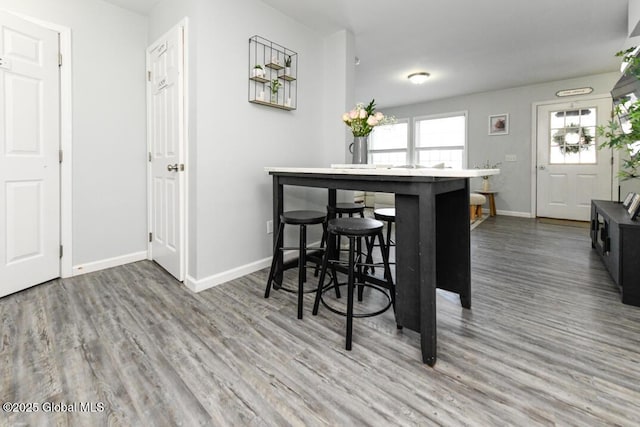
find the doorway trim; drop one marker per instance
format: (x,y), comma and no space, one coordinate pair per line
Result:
(184,25)
(66,141)
(534,145)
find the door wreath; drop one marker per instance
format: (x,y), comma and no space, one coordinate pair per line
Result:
(582,142)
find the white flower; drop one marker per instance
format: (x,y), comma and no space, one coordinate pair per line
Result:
(362,119)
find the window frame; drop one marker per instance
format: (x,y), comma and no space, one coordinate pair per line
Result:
(413,142)
(406,150)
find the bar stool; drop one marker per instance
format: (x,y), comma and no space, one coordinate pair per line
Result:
(347,209)
(351,209)
(387,215)
(354,229)
(301,219)
(341,209)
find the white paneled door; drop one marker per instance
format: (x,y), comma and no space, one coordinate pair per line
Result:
(165,88)
(29,155)
(571,170)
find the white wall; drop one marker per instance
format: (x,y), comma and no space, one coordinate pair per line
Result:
(514,182)
(338,84)
(234,139)
(109,202)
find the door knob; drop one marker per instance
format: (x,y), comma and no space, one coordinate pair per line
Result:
(175,167)
(542,167)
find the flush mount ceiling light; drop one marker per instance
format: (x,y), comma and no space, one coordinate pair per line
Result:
(418,78)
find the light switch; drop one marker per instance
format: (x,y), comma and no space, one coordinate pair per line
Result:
(510,158)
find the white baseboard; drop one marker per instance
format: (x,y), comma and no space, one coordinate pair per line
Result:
(512,213)
(198,285)
(108,263)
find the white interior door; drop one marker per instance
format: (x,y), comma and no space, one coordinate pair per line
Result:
(29,155)
(166,151)
(571,170)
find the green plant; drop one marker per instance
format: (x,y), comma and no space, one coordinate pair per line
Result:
(275,86)
(258,66)
(625,140)
(633,61)
(287,61)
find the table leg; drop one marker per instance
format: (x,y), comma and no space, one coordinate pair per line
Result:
(453,237)
(416,269)
(428,276)
(278,208)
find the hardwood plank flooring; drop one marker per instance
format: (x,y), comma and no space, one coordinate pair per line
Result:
(547,342)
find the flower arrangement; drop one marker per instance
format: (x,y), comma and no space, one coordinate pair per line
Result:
(487,165)
(363,119)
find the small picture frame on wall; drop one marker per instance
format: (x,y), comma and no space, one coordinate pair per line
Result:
(628,200)
(499,124)
(634,207)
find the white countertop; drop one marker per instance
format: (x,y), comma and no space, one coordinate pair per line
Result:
(389,171)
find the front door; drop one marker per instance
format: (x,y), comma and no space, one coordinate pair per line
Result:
(165,88)
(29,155)
(571,170)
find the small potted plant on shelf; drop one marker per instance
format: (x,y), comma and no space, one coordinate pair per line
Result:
(287,66)
(257,71)
(275,87)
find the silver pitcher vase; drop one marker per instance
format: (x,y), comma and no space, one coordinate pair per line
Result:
(360,150)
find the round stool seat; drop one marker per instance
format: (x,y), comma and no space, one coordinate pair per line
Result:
(385,214)
(346,208)
(477,199)
(354,226)
(303,217)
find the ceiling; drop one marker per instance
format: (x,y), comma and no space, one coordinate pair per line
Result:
(467,46)
(140,6)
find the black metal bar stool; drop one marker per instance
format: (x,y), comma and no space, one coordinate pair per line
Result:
(350,209)
(341,209)
(354,229)
(302,219)
(346,209)
(387,215)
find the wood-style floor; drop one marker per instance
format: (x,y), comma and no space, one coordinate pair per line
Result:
(547,342)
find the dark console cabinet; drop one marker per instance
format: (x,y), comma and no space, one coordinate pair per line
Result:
(616,238)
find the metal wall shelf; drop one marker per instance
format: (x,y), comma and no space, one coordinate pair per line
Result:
(272,58)
(270,104)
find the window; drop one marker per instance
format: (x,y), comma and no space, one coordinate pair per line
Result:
(441,139)
(573,136)
(435,139)
(389,144)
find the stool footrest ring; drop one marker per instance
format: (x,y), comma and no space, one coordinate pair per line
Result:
(357,315)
